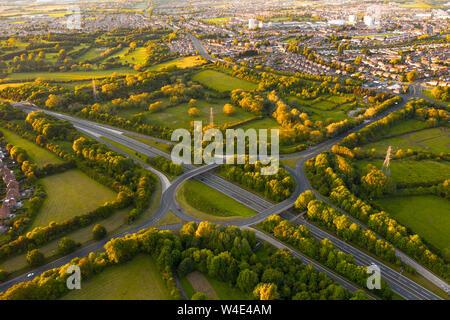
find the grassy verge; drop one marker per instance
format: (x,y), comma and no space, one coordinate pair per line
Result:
(207,203)
(155,144)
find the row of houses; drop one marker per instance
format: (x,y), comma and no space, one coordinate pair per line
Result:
(12,194)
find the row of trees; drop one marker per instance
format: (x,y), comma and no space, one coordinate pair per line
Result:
(166,165)
(321,173)
(323,251)
(276,187)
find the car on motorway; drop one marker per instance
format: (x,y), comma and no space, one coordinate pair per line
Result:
(30,274)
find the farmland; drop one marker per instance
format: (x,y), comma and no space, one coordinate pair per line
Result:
(435,140)
(177,117)
(69,194)
(138,279)
(407,171)
(38,155)
(180,63)
(427,215)
(222,82)
(69,75)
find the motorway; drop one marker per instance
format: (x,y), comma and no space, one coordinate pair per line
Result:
(398,283)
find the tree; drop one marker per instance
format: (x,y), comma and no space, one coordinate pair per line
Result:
(199,296)
(247,280)
(228,109)
(266,291)
(194,112)
(99,232)
(411,76)
(67,245)
(156,106)
(303,199)
(35,258)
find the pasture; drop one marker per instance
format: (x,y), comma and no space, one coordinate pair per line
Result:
(409,171)
(138,279)
(38,155)
(177,117)
(180,63)
(69,194)
(222,82)
(137,56)
(435,140)
(69,75)
(427,215)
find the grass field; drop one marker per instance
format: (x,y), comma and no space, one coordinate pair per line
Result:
(264,123)
(180,63)
(177,117)
(135,57)
(138,279)
(222,82)
(113,224)
(434,140)
(427,215)
(90,54)
(12,85)
(70,75)
(408,171)
(69,194)
(38,155)
(207,203)
(405,127)
(158,145)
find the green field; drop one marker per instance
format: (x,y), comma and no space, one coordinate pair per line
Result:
(138,279)
(408,171)
(69,194)
(222,82)
(90,54)
(137,56)
(180,63)
(264,123)
(428,215)
(38,155)
(177,117)
(207,203)
(70,75)
(405,126)
(435,140)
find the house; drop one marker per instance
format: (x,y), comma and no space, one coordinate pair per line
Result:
(4,212)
